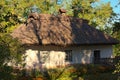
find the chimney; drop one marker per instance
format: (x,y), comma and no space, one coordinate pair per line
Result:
(62,11)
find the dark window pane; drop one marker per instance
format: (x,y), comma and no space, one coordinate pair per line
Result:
(68,55)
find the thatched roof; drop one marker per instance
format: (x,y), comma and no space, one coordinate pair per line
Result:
(46,29)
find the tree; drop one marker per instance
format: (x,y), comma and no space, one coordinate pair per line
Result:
(14,12)
(116,32)
(97,13)
(10,56)
(10,48)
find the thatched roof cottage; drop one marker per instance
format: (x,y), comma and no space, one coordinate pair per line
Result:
(59,40)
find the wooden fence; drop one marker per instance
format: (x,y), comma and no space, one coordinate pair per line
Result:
(110,61)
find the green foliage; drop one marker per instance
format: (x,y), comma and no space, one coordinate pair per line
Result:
(10,49)
(7,17)
(10,54)
(101,76)
(116,32)
(78,72)
(68,74)
(117,67)
(36,73)
(14,12)
(6,71)
(97,13)
(52,74)
(117,71)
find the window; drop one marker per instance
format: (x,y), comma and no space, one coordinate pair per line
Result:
(68,55)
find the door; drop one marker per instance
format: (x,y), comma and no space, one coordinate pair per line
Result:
(96,56)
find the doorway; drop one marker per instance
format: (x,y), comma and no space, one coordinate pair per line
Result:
(96,56)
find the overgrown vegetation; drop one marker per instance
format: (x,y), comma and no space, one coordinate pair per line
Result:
(10,56)
(75,72)
(15,12)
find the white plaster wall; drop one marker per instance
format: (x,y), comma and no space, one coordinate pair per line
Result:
(51,56)
(106,52)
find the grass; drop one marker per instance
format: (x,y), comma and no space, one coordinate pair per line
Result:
(89,72)
(101,76)
(95,72)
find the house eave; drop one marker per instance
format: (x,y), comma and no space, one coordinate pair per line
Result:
(69,45)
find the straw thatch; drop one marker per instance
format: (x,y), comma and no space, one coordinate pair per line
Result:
(46,29)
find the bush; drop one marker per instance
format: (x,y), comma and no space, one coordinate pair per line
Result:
(10,53)
(101,76)
(75,72)
(6,73)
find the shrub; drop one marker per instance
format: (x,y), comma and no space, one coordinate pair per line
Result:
(10,53)
(6,73)
(79,72)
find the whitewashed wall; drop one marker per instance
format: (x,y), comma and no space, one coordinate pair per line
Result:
(51,56)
